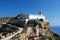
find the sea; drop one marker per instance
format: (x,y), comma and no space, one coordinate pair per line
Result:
(55,29)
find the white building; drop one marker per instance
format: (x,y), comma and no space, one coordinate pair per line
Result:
(33,16)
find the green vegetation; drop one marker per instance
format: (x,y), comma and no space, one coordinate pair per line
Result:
(41,20)
(20,16)
(32,23)
(6,29)
(50,38)
(40,25)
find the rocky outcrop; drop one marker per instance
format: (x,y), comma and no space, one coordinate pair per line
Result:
(32,30)
(38,33)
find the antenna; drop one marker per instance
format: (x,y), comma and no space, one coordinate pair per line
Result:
(40,12)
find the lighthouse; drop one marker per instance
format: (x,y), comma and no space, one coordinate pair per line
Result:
(34,17)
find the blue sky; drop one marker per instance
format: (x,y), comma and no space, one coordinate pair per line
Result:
(50,8)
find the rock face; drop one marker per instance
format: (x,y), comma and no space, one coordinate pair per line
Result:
(32,30)
(38,33)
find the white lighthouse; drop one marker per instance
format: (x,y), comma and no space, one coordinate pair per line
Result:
(31,16)
(34,17)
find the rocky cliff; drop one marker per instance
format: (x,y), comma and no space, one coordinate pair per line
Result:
(33,30)
(39,32)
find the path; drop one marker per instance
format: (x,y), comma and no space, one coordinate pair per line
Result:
(9,37)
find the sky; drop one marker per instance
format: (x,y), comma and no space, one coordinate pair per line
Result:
(49,8)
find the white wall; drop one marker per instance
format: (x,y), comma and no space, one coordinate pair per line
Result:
(36,16)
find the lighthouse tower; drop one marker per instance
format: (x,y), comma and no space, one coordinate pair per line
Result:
(41,16)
